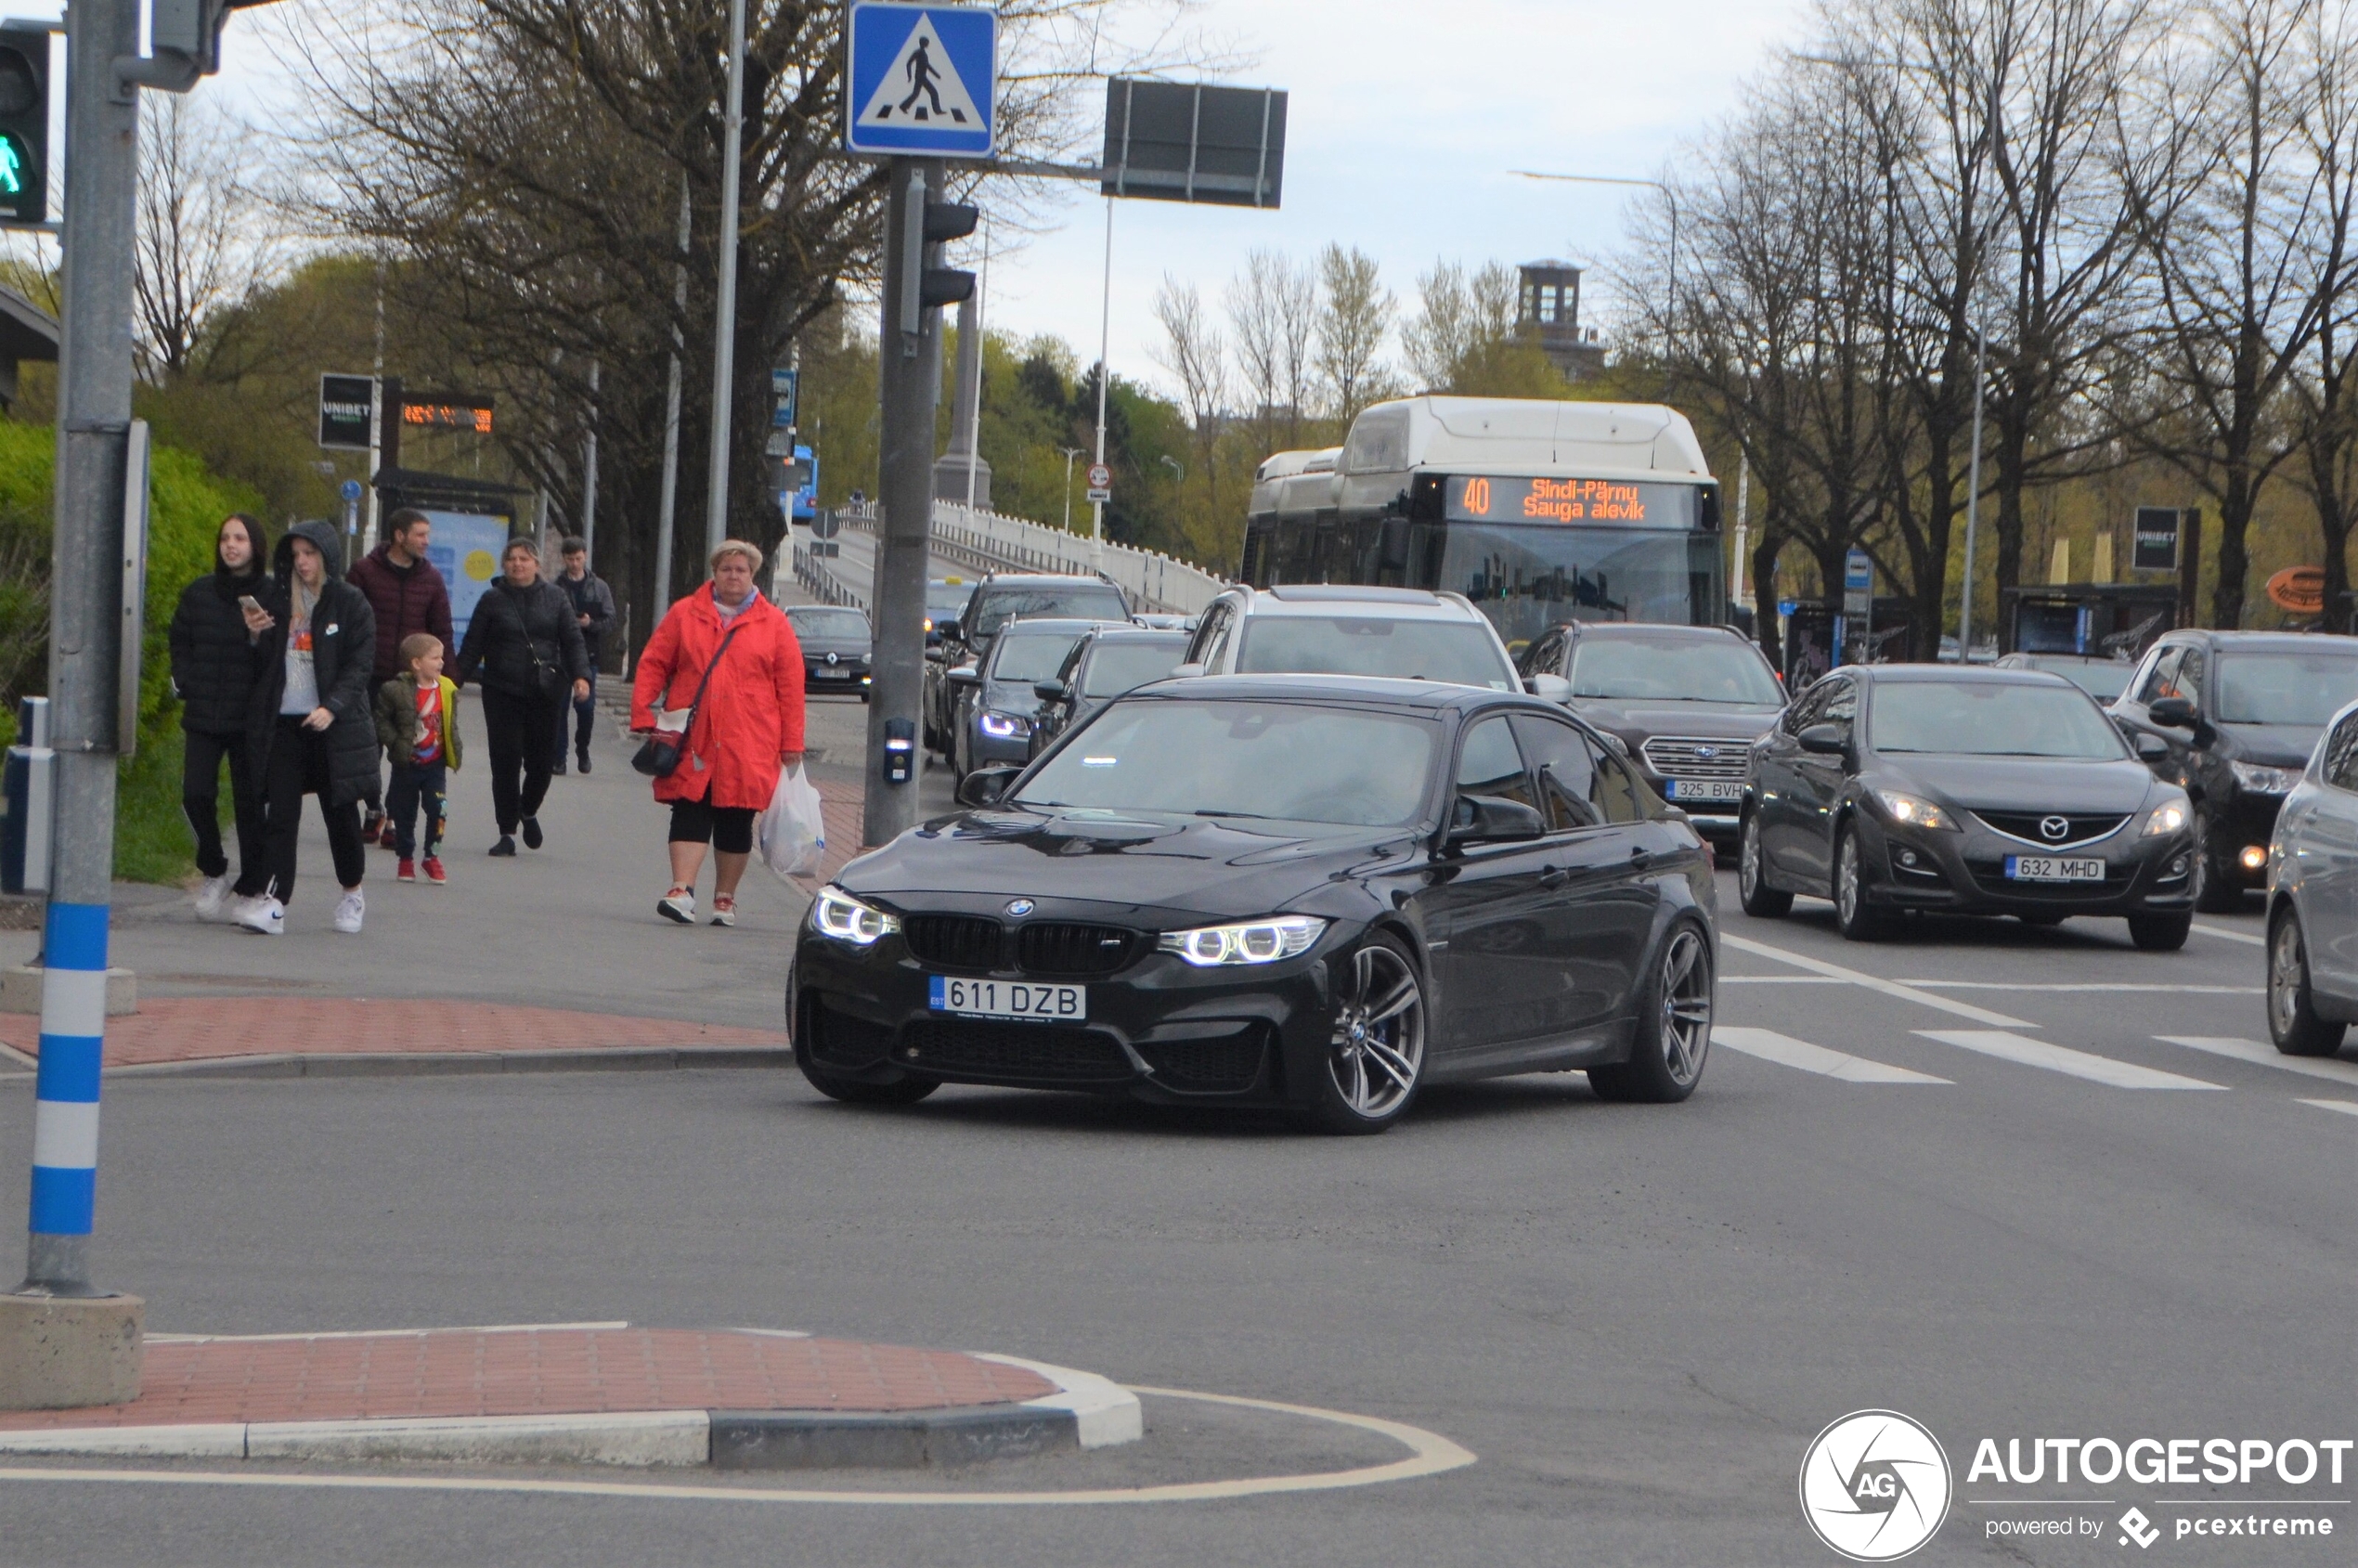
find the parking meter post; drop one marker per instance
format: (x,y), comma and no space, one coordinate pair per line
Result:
(62,1342)
(911,376)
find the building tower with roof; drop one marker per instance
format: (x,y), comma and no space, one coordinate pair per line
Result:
(1547,313)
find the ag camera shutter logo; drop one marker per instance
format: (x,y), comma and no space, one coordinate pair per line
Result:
(1875,1485)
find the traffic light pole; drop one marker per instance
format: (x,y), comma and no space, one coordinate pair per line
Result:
(910,366)
(62,1342)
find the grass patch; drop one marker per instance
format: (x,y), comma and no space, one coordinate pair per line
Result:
(153,842)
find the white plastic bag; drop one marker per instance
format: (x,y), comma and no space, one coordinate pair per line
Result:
(792,832)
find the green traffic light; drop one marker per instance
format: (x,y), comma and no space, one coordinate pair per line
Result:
(16,164)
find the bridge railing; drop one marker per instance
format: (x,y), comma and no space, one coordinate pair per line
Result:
(1153,580)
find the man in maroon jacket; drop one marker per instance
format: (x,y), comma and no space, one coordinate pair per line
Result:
(408,596)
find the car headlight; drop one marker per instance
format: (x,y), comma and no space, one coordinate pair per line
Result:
(1911,810)
(1247,941)
(2264,781)
(1005,726)
(2167,817)
(836,913)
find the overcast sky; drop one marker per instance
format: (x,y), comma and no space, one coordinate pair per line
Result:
(1405,117)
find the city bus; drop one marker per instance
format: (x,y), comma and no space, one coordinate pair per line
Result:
(1538,512)
(799,486)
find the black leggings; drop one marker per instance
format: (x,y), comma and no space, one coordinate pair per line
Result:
(200,797)
(522,732)
(299,767)
(726,828)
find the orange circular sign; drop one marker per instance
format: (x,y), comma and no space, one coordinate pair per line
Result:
(2301,589)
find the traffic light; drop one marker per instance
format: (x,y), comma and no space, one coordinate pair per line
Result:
(25,125)
(945,285)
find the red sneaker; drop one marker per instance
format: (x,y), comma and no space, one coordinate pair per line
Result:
(369,829)
(406,872)
(434,871)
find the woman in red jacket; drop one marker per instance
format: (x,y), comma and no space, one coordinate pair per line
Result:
(746,728)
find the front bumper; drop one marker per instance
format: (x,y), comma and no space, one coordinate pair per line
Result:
(1718,821)
(1157,1028)
(1962,870)
(2248,819)
(985,749)
(819,677)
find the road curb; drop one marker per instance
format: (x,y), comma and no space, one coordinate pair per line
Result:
(404,1064)
(1088,1411)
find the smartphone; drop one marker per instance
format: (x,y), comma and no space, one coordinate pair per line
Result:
(249,602)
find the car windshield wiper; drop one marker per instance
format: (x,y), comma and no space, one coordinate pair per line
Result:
(1256,816)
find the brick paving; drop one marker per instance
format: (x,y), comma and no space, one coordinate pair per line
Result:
(187,1029)
(462,1372)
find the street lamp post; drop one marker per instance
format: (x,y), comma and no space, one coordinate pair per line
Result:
(1671,323)
(1070,453)
(724,319)
(1973,494)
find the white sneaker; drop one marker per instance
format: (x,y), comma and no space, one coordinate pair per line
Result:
(266,915)
(679,904)
(213,898)
(349,912)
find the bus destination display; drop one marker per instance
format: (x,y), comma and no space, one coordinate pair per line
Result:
(1618,503)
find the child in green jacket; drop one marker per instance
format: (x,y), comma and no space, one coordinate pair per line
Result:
(418,722)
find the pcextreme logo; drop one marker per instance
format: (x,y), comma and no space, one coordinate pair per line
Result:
(1875,1485)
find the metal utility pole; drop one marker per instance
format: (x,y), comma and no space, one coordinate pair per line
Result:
(1744,520)
(590,477)
(973,428)
(1070,453)
(724,319)
(667,511)
(1104,377)
(908,353)
(376,414)
(1972,498)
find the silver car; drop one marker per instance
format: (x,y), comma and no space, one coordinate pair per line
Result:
(2312,899)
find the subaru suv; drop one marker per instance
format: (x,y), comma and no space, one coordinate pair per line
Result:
(1330,628)
(2238,714)
(1687,700)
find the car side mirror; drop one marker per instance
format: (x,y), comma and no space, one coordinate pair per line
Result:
(966,675)
(2172,713)
(1049,691)
(1548,688)
(2151,748)
(1487,819)
(1826,740)
(985,786)
(1186,671)
(949,629)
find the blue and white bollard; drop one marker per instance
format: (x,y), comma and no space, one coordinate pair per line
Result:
(65,1126)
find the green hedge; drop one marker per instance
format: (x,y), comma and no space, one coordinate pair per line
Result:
(187,503)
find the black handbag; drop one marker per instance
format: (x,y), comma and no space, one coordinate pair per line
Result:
(660,758)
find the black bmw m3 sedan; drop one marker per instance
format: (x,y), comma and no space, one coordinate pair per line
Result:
(1317,893)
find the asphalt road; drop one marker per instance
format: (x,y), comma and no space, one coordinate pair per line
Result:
(2050,1221)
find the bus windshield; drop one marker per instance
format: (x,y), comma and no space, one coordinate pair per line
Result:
(1528,578)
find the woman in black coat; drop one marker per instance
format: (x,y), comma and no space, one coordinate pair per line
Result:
(217,658)
(310,717)
(524,647)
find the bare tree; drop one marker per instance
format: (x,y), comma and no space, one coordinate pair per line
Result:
(1272,314)
(1354,317)
(202,243)
(2326,395)
(1462,338)
(1194,354)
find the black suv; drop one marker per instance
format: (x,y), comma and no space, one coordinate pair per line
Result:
(965,642)
(1687,700)
(2240,711)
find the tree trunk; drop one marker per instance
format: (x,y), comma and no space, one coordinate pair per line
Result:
(2236,499)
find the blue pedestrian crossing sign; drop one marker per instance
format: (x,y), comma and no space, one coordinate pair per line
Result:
(919,80)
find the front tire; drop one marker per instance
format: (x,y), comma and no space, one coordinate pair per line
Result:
(2216,890)
(1760,900)
(2293,1022)
(1376,1054)
(2159,933)
(1858,920)
(1674,1028)
(906,1090)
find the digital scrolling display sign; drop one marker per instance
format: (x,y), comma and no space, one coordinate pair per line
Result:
(1613,502)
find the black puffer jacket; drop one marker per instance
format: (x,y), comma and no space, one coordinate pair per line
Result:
(343,642)
(214,663)
(523,641)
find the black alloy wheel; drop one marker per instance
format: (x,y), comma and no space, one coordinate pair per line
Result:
(1376,1054)
(2215,889)
(2293,1022)
(1760,900)
(1858,920)
(1674,1028)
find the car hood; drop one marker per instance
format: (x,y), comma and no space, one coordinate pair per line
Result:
(849,647)
(2271,745)
(1117,861)
(1636,723)
(2018,784)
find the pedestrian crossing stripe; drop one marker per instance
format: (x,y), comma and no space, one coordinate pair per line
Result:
(2009,1046)
(1785,1051)
(2261,1054)
(2346,1106)
(921,87)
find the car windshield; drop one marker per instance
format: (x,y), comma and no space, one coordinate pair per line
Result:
(1031,655)
(1116,667)
(2103,680)
(1461,652)
(1087,602)
(1991,718)
(834,624)
(1293,762)
(2305,688)
(1649,670)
